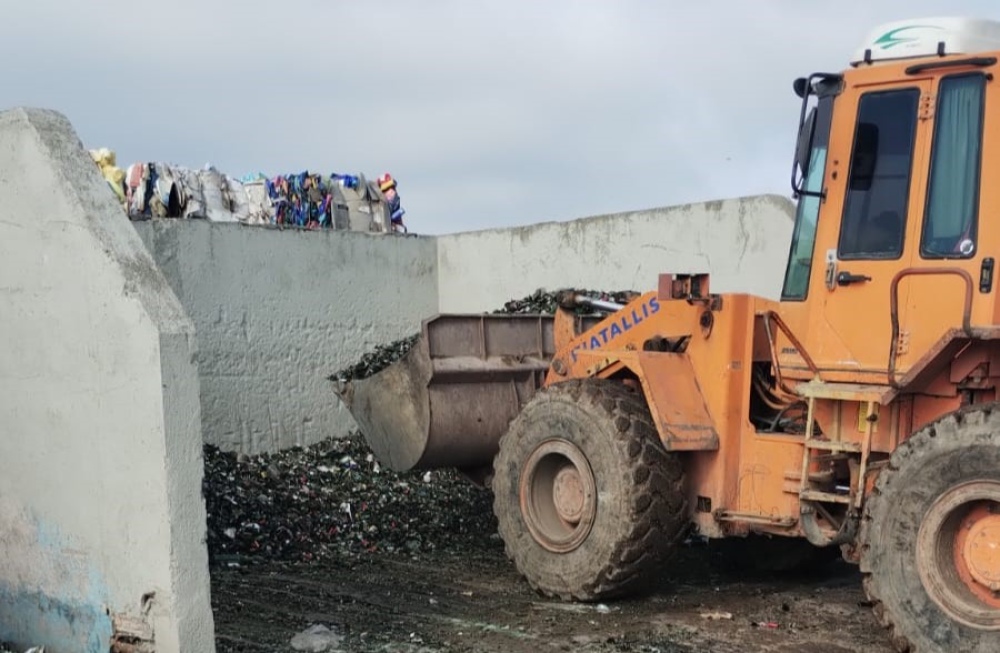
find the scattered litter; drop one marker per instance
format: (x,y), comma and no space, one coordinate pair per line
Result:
(602,609)
(316,639)
(765,624)
(715,616)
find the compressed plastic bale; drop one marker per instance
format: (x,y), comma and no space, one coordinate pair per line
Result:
(339,212)
(258,202)
(213,188)
(137,180)
(169,192)
(239,201)
(194,206)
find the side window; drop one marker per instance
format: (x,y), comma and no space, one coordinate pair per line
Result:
(953,191)
(796,284)
(879,183)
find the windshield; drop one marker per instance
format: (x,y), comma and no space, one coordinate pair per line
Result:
(804,235)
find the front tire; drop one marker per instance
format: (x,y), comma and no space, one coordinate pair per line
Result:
(931,537)
(588,502)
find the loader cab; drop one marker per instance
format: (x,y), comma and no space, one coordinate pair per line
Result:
(890,249)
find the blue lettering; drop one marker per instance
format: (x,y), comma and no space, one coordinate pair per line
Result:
(615,330)
(594,342)
(654,304)
(635,318)
(604,335)
(645,310)
(626,325)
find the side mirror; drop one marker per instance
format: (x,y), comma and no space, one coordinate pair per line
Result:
(803,145)
(800,86)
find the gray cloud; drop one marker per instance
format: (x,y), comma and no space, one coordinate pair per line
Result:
(489,113)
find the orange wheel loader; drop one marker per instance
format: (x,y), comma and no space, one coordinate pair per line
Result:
(859,414)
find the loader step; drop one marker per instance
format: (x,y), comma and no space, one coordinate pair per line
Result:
(828,497)
(831,445)
(846,391)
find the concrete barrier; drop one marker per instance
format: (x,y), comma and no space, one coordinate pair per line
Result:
(278,311)
(102,521)
(742,242)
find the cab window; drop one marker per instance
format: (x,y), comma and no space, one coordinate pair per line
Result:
(878,185)
(949,228)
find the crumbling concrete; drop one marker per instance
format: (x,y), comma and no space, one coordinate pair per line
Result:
(102,522)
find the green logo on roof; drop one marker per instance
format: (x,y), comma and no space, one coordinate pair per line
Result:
(892,38)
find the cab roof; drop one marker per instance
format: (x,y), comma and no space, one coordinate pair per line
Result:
(927,37)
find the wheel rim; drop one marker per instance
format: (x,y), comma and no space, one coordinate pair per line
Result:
(958,553)
(558,496)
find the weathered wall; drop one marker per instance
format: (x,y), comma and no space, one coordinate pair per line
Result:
(278,311)
(101,513)
(742,242)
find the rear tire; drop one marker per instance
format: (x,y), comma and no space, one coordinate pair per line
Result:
(928,533)
(588,502)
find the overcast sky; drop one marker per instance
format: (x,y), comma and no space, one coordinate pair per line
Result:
(489,114)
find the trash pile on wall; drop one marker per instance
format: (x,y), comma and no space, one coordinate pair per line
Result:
(303,199)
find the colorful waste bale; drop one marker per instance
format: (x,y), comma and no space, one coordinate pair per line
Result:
(387,185)
(315,201)
(304,199)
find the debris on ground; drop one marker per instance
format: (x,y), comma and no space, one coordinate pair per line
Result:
(316,639)
(716,616)
(332,500)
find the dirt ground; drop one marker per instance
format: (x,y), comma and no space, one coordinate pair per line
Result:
(477,602)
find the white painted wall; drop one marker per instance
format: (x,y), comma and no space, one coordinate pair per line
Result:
(278,311)
(100,459)
(742,242)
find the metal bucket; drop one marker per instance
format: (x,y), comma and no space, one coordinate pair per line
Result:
(450,399)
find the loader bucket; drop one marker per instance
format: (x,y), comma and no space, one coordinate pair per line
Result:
(450,399)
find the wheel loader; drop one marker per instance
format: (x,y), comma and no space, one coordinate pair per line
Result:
(857,414)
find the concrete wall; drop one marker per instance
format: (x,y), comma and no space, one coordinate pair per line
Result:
(278,311)
(101,516)
(742,242)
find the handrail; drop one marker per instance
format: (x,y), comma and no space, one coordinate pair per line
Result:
(771,315)
(894,309)
(981,62)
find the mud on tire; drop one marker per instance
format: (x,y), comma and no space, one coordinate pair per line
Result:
(602,431)
(958,449)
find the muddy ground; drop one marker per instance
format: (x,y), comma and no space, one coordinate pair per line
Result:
(449,601)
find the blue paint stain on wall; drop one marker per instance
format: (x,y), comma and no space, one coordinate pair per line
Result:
(31,618)
(74,622)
